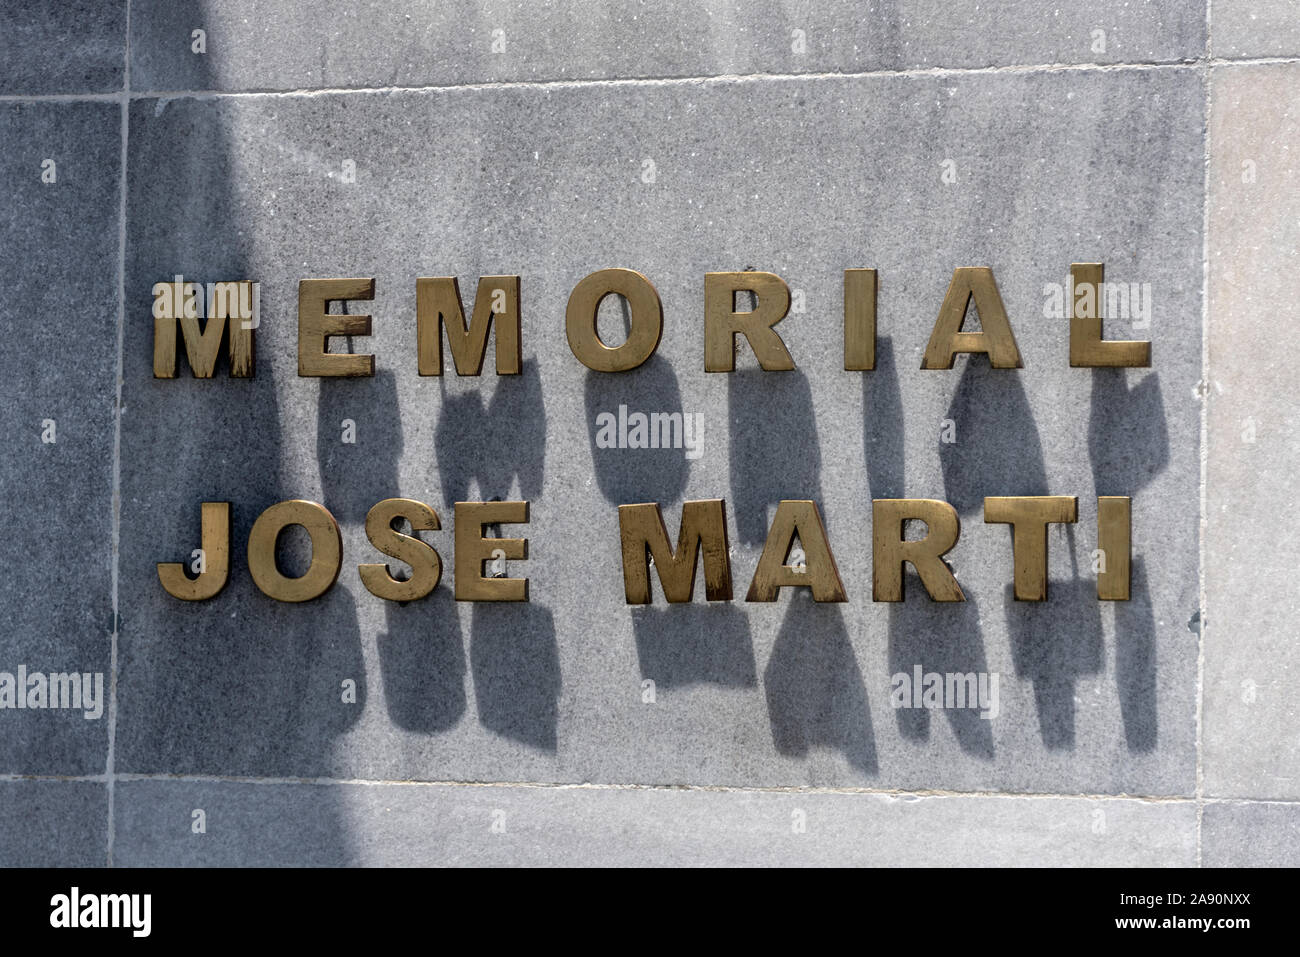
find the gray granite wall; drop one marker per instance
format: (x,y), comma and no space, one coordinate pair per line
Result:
(395,141)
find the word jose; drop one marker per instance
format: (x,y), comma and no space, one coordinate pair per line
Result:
(440,312)
(796,528)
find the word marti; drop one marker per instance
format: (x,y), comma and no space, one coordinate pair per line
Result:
(644,537)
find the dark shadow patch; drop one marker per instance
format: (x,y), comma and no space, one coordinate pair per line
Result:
(815,693)
(695,644)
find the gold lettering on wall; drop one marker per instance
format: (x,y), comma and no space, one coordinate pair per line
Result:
(316,326)
(722,323)
(890,551)
(472,550)
(859,319)
(326,551)
(1114,541)
(1029,516)
(947,339)
(213,558)
(799,519)
(703,528)
(646,317)
(179,302)
(426,566)
(1087,348)
(438,307)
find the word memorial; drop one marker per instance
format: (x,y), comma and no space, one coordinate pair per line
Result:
(227,309)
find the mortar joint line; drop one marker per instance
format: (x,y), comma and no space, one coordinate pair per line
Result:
(110,758)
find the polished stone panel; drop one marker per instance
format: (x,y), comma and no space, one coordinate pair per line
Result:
(1251,727)
(396,825)
(1050,168)
(63,46)
(59,312)
(1250,834)
(53,824)
(325,43)
(1255,28)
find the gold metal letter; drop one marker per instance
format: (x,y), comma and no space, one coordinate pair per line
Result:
(890,551)
(426,566)
(472,550)
(437,303)
(772,574)
(203,345)
(947,339)
(704,526)
(859,319)
(215,517)
(1114,538)
(645,309)
(1029,516)
(316,326)
(722,322)
(1087,348)
(326,550)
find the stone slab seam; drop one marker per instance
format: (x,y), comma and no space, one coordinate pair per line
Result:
(1192,63)
(125,100)
(1204,451)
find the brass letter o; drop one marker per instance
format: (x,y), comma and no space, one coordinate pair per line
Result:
(326,550)
(647,318)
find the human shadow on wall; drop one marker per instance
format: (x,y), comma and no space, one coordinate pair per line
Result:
(515,661)
(1128,444)
(775,453)
(628,475)
(513,656)
(815,693)
(997,450)
(421,651)
(882,425)
(272,693)
(276,693)
(1128,441)
(683,644)
(1053,644)
(1135,662)
(942,637)
(358,443)
(243,684)
(493,442)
